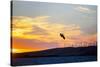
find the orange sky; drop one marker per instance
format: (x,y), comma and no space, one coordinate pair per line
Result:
(34,34)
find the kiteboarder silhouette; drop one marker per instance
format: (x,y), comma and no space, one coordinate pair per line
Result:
(62,35)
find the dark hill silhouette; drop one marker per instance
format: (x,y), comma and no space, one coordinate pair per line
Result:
(68,51)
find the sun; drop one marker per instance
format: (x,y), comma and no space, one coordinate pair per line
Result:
(15,51)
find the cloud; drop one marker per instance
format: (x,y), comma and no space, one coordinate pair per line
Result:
(84,9)
(37,30)
(31,33)
(40,27)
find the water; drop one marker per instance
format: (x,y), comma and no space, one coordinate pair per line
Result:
(52,60)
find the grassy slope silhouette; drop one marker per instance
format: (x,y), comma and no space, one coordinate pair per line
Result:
(67,51)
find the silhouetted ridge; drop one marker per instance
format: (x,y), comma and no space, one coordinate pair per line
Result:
(68,51)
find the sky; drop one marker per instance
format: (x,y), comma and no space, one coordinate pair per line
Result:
(36,25)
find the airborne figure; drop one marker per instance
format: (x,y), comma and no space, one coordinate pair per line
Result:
(62,36)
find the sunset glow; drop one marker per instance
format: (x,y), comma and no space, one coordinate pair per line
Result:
(39,28)
(28,31)
(15,50)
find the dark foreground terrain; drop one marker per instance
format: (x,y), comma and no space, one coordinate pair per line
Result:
(57,55)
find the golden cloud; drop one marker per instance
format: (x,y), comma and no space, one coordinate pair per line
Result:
(39,28)
(23,26)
